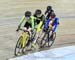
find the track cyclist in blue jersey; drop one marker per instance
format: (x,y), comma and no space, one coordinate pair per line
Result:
(52,23)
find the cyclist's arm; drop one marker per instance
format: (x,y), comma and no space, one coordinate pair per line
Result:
(46,24)
(43,19)
(22,20)
(46,12)
(57,21)
(32,22)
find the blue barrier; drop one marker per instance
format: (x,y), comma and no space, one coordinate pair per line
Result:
(63,53)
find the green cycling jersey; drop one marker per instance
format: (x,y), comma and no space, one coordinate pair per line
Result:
(31,21)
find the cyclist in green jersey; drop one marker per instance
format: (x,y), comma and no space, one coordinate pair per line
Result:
(39,22)
(28,21)
(39,17)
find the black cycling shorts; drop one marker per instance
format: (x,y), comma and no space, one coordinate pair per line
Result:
(27,25)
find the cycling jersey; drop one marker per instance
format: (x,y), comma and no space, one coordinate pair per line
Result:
(55,23)
(28,23)
(39,21)
(48,13)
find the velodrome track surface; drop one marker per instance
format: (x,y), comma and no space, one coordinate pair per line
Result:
(11,12)
(62,53)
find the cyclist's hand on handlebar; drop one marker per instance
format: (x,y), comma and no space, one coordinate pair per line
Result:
(18,28)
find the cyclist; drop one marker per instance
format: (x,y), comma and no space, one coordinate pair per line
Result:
(39,17)
(48,12)
(39,22)
(52,23)
(28,21)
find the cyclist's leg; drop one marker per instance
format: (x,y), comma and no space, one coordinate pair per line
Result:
(26,27)
(36,37)
(54,29)
(39,26)
(39,31)
(30,34)
(37,34)
(29,29)
(28,43)
(41,35)
(50,30)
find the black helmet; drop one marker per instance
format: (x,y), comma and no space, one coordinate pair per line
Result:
(49,7)
(27,14)
(38,12)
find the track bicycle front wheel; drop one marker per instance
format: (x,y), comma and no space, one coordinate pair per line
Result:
(18,48)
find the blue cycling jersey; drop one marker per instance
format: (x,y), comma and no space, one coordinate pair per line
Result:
(55,23)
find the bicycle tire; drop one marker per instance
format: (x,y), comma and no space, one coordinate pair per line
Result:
(51,40)
(47,40)
(43,41)
(18,45)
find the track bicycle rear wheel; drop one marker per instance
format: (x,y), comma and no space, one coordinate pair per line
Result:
(51,39)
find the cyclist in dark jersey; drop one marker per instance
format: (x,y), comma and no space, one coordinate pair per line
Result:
(48,12)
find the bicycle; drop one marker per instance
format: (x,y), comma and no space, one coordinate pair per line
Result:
(38,31)
(22,42)
(48,38)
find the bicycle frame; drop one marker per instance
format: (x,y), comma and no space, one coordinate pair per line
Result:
(39,26)
(24,35)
